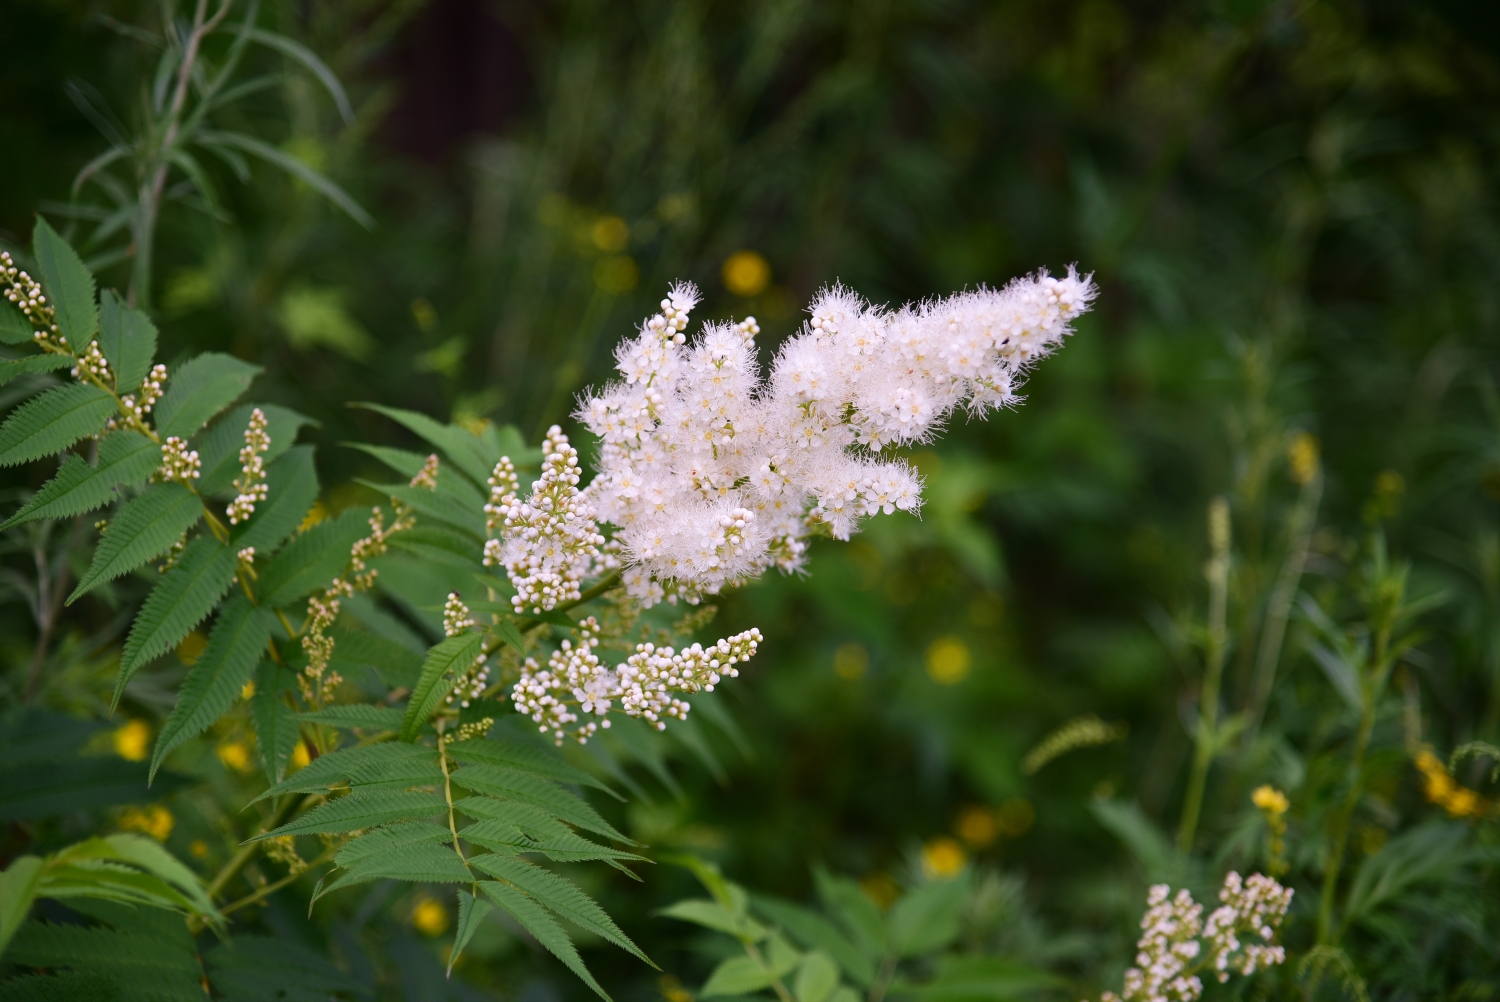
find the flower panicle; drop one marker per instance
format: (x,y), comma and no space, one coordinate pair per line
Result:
(251,483)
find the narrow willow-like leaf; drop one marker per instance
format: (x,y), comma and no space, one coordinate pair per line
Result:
(362,810)
(314,179)
(277,728)
(14,327)
(424,862)
(472,912)
(462,448)
(32,363)
(365,715)
(536,920)
(181,600)
(144,528)
(510,784)
(128,339)
(386,762)
(48,424)
(291,489)
(527,758)
(561,895)
(434,504)
(199,389)
(235,647)
(450,658)
(219,445)
(126,459)
(313,558)
(68,284)
(388,838)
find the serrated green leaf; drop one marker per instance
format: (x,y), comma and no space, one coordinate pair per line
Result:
(365,715)
(409,464)
(68,284)
(388,838)
(221,442)
(277,727)
(235,647)
(14,327)
(362,810)
(148,953)
(18,886)
(561,895)
(533,822)
(358,650)
(33,363)
(126,458)
(507,631)
(313,558)
(461,448)
(563,846)
(385,763)
(510,784)
(181,600)
(472,912)
(48,424)
(291,489)
(144,528)
(128,339)
(423,862)
(434,504)
(528,758)
(536,920)
(440,671)
(199,389)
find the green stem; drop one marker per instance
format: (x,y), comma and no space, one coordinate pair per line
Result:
(883,979)
(1208,704)
(777,986)
(448,794)
(247,851)
(1279,608)
(275,885)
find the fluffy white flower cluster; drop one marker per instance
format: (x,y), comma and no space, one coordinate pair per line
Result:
(550,542)
(1169,947)
(713,475)
(575,682)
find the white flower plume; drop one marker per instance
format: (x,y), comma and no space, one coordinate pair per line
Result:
(712,474)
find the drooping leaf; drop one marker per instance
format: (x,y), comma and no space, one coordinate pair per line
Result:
(280,158)
(257,968)
(713,915)
(219,445)
(277,728)
(14,327)
(510,784)
(424,862)
(364,715)
(440,671)
(199,389)
(291,489)
(462,448)
(313,558)
(126,459)
(561,895)
(528,758)
(362,810)
(472,912)
(128,339)
(148,855)
(817,977)
(564,846)
(144,528)
(68,284)
(388,762)
(536,920)
(181,600)
(737,976)
(48,424)
(235,647)
(33,363)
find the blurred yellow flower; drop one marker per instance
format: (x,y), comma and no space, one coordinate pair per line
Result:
(746,273)
(880,889)
(191,646)
(153,819)
(1302,457)
(132,740)
(300,757)
(429,917)
(617,273)
(1442,789)
(942,858)
(610,233)
(948,660)
(977,826)
(247,690)
(851,660)
(1270,799)
(235,755)
(198,848)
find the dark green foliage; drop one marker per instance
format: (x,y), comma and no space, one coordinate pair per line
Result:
(14,327)
(53,421)
(199,389)
(32,363)
(182,599)
(126,459)
(220,444)
(292,482)
(440,672)
(144,528)
(128,339)
(68,284)
(141,953)
(276,725)
(266,969)
(312,558)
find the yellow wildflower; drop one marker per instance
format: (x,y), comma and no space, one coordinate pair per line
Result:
(977,826)
(235,755)
(942,858)
(1442,789)
(429,917)
(132,740)
(153,819)
(948,660)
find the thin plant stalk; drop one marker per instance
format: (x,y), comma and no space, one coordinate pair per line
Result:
(1205,740)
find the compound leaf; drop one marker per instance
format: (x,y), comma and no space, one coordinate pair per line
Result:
(511,784)
(68,284)
(536,920)
(144,528)
(313,558)
(48,424)
(449,659)
(128,339)
(291,489)
(198,390)
(181,600)
(362,810)
(126,458)
(33,363)
(561,895)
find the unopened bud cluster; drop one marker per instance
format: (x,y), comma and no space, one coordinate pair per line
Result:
(26,293)
(1172,949)
(576,683)
(456,618)
(550,541)
(251,483)
(504,486)
(471,683)
(93,366)
(179,464)
(138,406)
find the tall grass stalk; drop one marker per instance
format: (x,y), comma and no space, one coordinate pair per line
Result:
(1206,738)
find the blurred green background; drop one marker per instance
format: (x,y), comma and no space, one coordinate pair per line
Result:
(1290,209)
